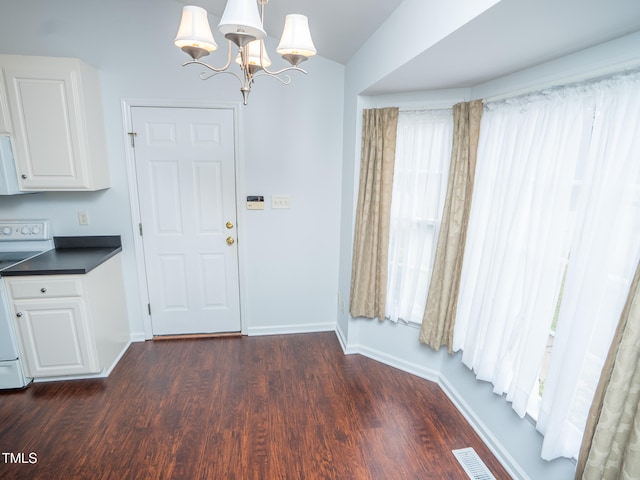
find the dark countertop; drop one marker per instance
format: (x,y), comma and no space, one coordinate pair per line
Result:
(71,255)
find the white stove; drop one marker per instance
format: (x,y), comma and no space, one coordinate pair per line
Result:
(19,241)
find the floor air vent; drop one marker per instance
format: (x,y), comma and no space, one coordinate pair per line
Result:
(470,461)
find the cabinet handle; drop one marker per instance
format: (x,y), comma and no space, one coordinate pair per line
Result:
(23,176)
(43,290)
(19,314)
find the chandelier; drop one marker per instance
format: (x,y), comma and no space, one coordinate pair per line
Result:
(242,25)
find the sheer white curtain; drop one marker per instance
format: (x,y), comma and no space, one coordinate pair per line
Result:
(604,255)
(527,157)
(423,153)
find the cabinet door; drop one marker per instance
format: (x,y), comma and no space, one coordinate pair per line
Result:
(46,114)
(5,122)
(56,338)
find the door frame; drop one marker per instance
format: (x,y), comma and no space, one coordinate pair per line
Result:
(143,292)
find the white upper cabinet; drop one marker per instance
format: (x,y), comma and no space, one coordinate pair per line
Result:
(5,121)
(56,123)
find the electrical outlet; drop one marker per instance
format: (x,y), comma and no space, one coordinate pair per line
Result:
(280,201)
(83,217)
(341,304)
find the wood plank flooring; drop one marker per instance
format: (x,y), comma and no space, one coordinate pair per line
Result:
(280,407)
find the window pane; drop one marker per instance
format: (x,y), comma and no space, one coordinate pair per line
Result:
(423,151)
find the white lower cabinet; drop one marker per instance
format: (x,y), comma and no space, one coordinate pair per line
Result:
(70,325)
(57,337)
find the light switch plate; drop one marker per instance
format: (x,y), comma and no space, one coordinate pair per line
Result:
(280,201)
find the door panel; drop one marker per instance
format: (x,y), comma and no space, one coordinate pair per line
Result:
(57,338)
(185,167)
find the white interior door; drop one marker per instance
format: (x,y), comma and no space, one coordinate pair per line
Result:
(185,168)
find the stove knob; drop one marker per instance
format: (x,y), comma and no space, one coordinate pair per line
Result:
(6,231)
(36,229)
(25,230)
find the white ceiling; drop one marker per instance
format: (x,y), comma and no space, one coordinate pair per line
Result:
(510,36)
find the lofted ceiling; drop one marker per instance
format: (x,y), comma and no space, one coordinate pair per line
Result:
(510,36)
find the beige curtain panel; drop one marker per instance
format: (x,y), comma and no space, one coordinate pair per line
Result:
(611,443)
(440,311)
(371,238)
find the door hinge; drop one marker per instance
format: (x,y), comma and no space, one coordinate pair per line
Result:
(132,136)
(149,308)
(140,228)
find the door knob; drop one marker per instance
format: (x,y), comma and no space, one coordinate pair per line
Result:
(229,225)
(230,241)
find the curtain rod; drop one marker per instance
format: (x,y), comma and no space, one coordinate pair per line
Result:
(591,77)
(427,109)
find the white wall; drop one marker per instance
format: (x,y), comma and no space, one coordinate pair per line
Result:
(412,28)
(515,441)
(290,139)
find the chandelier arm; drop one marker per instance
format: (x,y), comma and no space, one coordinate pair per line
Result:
(205,76)
(286,80)
(286,69)
(210,67)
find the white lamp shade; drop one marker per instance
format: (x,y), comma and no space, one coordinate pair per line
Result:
(194,30)
(241,17)
(253,51)
(296,37)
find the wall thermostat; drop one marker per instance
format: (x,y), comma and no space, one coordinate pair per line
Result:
(255,202)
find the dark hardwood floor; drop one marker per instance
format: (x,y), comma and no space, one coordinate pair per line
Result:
(280,407)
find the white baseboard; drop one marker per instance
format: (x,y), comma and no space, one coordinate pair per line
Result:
(346,349)
(396,362)
(117,359)
(487,436)
(138,337)
(480,428)
(291,329)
